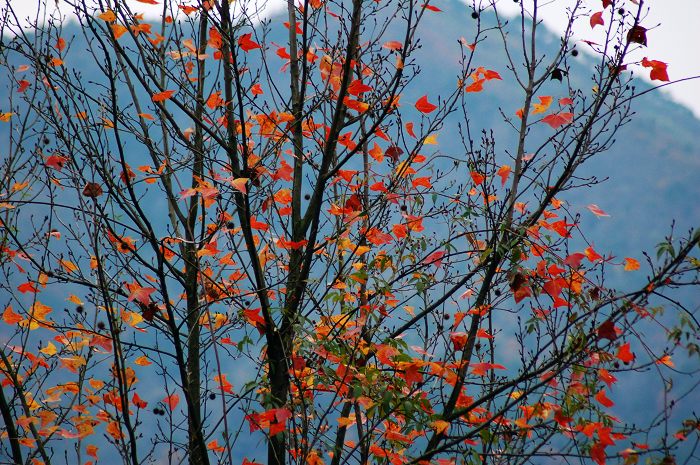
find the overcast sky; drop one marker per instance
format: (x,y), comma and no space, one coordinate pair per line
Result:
(676,40)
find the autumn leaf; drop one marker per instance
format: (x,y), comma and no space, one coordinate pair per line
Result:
(658,69)
(666,360)
(214,446)
(162,96)
(92,190)
(107,16)
(503,172)
(596,210)
(603,399)
(142,361)
(545,102)
(10,317)
(631,264)
(637,34)
(140,294)
(624,354)
(68,265)
(171,401)
(27,287)
(607,331)
(215,100)
(424,106)
(393,45)
(357,88)
(597,19)
(556,120)
(118,30)
(246,43)
(56,161)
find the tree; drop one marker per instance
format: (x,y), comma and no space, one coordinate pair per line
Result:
(286,257)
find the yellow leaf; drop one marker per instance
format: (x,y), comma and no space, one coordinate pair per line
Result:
(431,140)
(440,426)
(345,421)
(5,117)
(75,299)
(68,265)
(49,350)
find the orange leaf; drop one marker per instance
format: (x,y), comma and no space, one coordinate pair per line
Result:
(214,446)
(503,172)
(143,361)
(107,16)
(393,45)
(91,450)
(161,96)
(631,264)
(10,317)
(666,360)
(215,100)
(118,30)
(422,182)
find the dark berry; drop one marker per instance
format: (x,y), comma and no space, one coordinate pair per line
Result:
(574,53)
(475,14)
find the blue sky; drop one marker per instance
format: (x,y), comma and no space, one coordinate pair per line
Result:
(673,36)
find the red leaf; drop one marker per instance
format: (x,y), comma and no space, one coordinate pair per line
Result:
(603,399)
(356,88)
(246,43)
(624,354)
(556,120)
(215,100)
(394,152)
(607,3)
(598,453)
(140,294)
(256,89)
(161,96)
(56,162)
(658,69)
(27,287)
(171,401)
(424,106)
(597,19)
(607,331)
